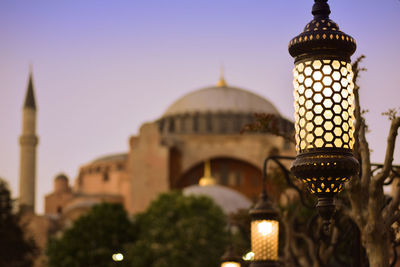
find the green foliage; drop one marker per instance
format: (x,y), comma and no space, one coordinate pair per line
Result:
(15,249)
(179,231)
(93,239)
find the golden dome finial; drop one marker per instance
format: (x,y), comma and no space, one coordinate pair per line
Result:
(207,179)
(221,82)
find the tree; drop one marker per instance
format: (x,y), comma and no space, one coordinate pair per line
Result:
(363,207)
(93,238)
(179,231)
(15,249)
(373,213)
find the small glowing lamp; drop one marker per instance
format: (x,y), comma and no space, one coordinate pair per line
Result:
(248,256)
(230,259)
(118,257)
(264,233)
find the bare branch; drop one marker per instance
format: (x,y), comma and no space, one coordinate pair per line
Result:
(357,110)
(310,245)
(391,142)
(393,208)
(365,156)
(270,123)
(361,147)
(291,247)
(395,218)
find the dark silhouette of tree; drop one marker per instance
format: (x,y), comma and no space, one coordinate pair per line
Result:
(16,250)
(179,231)
(93,239)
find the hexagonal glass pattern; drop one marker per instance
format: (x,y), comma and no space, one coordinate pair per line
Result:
(264,239)
(324,104)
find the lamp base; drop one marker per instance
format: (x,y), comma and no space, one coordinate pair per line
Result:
(326,209)
(264,264)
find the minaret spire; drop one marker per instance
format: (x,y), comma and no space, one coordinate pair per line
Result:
(30,94)
(221,82)
(28,142)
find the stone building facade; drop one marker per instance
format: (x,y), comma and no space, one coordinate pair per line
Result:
(169,153)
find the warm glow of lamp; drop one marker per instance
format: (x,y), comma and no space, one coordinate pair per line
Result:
(264,228)
(230,264)
(230,258)
(323,93)
(264,240)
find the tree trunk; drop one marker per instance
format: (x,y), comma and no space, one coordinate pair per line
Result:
(378,250)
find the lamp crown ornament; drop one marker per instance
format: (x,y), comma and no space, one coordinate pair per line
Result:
(323,92)
(321,9)
(322,36)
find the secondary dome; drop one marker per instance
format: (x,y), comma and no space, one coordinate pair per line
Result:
(221,98)
(229,200)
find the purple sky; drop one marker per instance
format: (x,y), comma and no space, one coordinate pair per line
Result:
(102,68)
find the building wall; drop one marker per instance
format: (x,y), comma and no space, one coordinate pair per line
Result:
(55,203)
(149,163)
(251,148)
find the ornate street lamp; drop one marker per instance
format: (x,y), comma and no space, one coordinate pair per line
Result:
(323,92)
(264,230)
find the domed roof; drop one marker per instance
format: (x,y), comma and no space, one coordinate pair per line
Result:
(61,176)
(221,98)
(228,199)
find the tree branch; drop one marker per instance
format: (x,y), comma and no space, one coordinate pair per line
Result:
(391,142)
(310,244)
(392,210)
(357,110)
(365,157)
(395,218)
(361,148)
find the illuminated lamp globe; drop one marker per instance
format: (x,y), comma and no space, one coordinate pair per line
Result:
(324,120)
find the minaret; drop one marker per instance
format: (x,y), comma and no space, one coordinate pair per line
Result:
(28,142)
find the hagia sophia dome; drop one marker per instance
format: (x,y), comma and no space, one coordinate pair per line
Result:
(221,99)
(219,109)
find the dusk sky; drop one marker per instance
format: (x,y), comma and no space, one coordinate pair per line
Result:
(102,68)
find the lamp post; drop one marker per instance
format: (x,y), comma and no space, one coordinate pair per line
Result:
(264,230)
(323,92)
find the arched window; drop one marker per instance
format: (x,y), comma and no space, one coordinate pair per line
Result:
(105,176)
(196,123)
(208,123)
(171,125)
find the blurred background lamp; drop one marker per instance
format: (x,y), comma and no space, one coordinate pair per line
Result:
(264,233)
(118,257)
